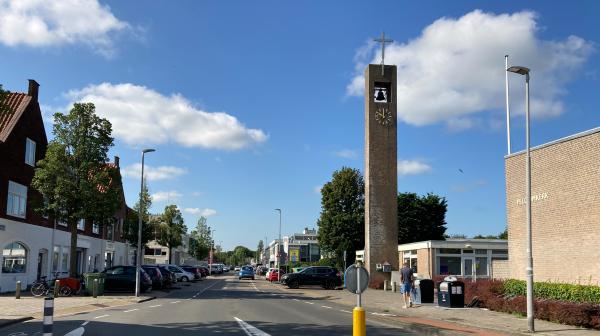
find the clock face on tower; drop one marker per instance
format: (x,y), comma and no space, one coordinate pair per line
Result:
(384,116)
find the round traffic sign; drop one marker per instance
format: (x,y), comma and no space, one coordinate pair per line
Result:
(351,279)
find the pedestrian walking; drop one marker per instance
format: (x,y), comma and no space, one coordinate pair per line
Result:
(406,277)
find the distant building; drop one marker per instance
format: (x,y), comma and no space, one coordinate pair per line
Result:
(565,202)
(302,247)
(465,258)
(154,253)
(272,249)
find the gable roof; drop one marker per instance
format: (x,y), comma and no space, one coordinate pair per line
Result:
(16,103)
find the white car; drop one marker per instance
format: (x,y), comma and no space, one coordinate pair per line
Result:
(225,268)
(181,274)
(237,268)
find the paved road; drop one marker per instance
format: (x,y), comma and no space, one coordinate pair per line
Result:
(220,306)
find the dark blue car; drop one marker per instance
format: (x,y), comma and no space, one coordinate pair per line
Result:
(247,272)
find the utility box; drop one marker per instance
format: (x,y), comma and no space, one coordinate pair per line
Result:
(451,294)
(422,291)
(386,267)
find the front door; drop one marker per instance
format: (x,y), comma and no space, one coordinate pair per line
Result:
(468,267)
(40,264)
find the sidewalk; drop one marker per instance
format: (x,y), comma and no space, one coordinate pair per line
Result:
(470,320)
(29,307)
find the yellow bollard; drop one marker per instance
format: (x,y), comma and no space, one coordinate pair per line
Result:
(359,325)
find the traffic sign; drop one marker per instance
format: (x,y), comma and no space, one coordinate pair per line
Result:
(351,279)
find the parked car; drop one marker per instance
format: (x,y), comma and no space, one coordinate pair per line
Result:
(181,274)
(246,272)
(273,275)
(155,276)
(122,278)
(225,268)
(216,269)
(170,276)
(327,277)
(237,268)
(203,271)
(194,270)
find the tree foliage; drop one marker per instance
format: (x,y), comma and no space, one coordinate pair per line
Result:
(421,217)
(130,228)
(259,250)
(170,228)
(3,96)
(200,240)
(342,220)
(74,177)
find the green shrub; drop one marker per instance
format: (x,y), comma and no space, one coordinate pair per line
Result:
(555,291)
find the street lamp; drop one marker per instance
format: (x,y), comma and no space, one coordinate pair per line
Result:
(279,249)
(138,263)
(529,269)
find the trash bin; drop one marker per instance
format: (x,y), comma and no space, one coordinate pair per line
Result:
(89,283)
(422,291)
(451,294)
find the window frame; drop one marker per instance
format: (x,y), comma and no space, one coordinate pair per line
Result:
(30,148)
(14,194)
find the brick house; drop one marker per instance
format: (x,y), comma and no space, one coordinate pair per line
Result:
(25,236)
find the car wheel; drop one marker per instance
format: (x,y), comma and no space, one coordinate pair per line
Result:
(240,278)
(64,291)
(294,284)
(184,279)
(252,278)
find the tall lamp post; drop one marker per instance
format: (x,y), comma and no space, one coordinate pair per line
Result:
(529,269)
(212,253)
(138,262)
(279,249)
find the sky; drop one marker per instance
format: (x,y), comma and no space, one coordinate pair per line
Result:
(252,106)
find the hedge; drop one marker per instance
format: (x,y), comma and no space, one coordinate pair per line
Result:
(555,291)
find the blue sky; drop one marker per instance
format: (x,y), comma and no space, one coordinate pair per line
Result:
(252,106)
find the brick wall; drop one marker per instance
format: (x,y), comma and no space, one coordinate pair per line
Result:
(424,264)
(565,210)
(500,269)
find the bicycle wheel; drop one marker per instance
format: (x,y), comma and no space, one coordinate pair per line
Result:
(38,289)
(64,291)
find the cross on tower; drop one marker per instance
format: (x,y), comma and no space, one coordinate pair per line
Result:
(383,41)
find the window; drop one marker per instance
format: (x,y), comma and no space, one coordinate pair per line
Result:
(81,224)
(14,258)
(61,223)
(481,265)
(468,251)
(484,252)
(29,152)
(109,232)
(65,260)
(499,251)
(448,251)
(95,228)
(17,200)
(450,266)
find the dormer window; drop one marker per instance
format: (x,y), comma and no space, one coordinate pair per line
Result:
(30,152)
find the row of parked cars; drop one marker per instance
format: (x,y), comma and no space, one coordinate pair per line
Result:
(324,276)
(122,278)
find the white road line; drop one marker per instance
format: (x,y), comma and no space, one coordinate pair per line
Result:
(296,300)
(101,316)
(327,307)
(175,302)
(130,310)
(155,306)
(345,311)
(77,332)
(249,329)
(85,323)
(309,302)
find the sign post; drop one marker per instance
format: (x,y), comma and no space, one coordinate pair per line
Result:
(356,279)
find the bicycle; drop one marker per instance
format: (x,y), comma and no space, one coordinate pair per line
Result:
(42,287)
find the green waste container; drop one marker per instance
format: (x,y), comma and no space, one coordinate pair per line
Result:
(89,283)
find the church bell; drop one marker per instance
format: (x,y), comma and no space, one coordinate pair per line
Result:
(380,96)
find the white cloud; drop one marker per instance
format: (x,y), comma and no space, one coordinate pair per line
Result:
(140,115)
(455,68)
(412,167)
(200,212)
(346,153)
(164,196)
(153,173)
(41,23)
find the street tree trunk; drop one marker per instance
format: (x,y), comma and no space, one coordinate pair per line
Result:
(170,254)
(73,252)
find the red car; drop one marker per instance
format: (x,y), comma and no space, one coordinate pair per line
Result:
(273,275)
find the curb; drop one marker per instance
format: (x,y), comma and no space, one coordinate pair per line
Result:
(15,321)
(146,299)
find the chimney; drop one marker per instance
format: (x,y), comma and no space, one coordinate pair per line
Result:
(33,89)
(117,161)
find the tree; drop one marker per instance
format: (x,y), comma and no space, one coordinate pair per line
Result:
(259,250)
(3,96)
(421,217)
(200,240)
(170,228)
(74,177)
(130,228)
(342,220)
(503,234)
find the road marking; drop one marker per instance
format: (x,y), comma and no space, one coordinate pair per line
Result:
(85,323)
(309,302)
(345,311)
(77,332)
(130,310)
(175,302)
(101,316)
(296,300)
(382,314)
(154,306)
(249,329)
(327,307)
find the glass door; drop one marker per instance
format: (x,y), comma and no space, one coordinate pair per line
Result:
(468,266)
